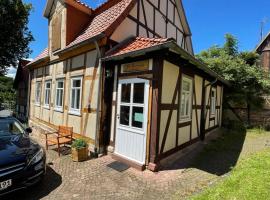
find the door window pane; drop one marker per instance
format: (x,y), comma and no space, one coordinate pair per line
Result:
(124,115)
(138,93)
(137,117)
(125,94)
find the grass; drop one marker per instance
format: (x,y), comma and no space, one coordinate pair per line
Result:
(248,180)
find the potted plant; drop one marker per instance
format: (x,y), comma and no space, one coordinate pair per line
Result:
(79,149)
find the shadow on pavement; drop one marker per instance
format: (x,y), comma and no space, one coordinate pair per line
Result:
(51,181)
(217,156)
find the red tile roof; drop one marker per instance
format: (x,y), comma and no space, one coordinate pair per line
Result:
(136,44)
(42,55)
(106,18)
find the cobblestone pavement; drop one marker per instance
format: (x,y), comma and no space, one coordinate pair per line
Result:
(92,179)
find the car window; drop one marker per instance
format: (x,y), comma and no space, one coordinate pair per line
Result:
(10,127)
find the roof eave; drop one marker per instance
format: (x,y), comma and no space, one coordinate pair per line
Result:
(38,61)
(90,40)
(172,46)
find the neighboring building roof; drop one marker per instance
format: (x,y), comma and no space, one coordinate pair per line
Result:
(135,44)
(22,73)
(44,54)
(262,42)
(138,46)
(106,18)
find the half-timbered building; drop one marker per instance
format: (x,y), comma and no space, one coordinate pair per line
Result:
(124,77)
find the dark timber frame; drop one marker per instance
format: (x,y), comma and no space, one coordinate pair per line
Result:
(155,149)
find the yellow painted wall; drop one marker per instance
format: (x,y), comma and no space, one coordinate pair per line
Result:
(85,123)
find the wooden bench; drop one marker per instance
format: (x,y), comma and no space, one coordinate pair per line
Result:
(63,136)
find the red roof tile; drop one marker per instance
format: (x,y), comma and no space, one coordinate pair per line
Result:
(42,55)
(106,17)
(136,44)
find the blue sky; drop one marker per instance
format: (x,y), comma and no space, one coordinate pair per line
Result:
(209,20)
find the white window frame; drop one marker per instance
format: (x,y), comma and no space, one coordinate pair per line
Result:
(38,96)
(213,102)
(75,111)
(47,90)
(57,89)
(185,118)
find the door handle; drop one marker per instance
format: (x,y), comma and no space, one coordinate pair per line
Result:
(118,116)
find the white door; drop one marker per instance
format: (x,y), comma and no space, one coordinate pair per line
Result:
(132,112)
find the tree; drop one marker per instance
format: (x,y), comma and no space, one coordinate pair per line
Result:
(248,80)
(15,35)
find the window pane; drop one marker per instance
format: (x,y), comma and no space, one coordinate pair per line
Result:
(78,98)
(60,84)
(186,86)
(137,117)
(125,94)
(60,98)
(124,115)
(76,83)
(182,112)
(73,98)
(138,93)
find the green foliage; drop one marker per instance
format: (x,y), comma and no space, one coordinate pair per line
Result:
(15,35)
(79,144)
(249,81)
(7,93)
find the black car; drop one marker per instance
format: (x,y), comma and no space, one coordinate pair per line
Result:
(22,160)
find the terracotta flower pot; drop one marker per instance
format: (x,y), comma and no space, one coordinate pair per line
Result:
(79,155)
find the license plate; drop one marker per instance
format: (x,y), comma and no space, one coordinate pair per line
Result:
(5,184)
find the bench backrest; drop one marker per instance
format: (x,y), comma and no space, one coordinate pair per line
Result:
(65,131)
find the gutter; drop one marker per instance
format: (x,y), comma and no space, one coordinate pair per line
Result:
(91,40)
(37,62)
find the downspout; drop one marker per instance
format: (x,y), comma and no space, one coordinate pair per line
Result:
(97,145)
(204,114)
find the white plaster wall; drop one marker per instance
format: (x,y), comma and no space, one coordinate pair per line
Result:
(183,135)
(126,29)
(170,76)
(171,136)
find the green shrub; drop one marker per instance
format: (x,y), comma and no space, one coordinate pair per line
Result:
(79,144)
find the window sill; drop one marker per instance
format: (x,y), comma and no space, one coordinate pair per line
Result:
(36,104)
(59,110)
(76,113)
(184,120)
(46,107)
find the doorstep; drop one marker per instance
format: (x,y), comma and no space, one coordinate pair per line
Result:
(131,163)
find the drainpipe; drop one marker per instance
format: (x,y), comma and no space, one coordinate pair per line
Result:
(204,114)
(97,145)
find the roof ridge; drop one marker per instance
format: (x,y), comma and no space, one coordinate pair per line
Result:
(83,4)
(105,6)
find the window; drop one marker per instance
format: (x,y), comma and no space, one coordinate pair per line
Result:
(75,96)
(59,95)
(38,92)
(186,99)
(47,93)
(213,101)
